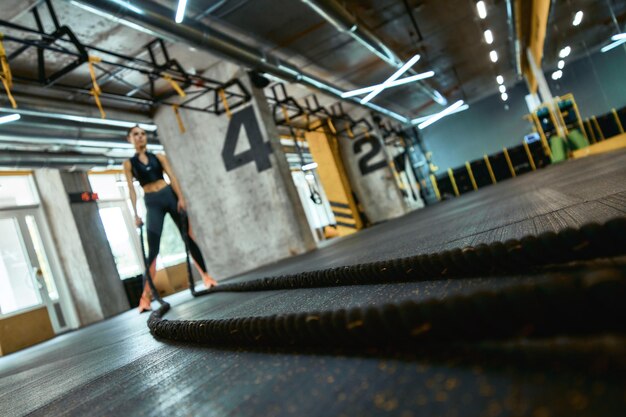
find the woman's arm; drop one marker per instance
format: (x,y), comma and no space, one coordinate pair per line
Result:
(131,192)
(174,181)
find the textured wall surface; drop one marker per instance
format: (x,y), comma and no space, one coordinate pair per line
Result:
(244,217)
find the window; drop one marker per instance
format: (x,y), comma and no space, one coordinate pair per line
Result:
(119,223)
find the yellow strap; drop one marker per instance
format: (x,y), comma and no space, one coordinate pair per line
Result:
(331,126)
(285,114)
(5,74)
(349,130)
(508,161)
(181,126)
(174,85)
(96,97)
(471,175)
(225,102)
(92,72)
(530,156)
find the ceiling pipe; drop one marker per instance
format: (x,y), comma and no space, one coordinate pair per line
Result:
(159,20)
(513,38)
(95,144)
(335,14)
(71,161)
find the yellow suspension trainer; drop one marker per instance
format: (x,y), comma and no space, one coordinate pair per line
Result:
(95,91)
(5,73)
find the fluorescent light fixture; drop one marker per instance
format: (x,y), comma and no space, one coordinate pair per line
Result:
(391,79)
(488,36)
(440,115)
(557,74)
(500,79)
(502,89)
(504,96)
(560,64)
(82,119)
(396,83)
(9,118)
(180,12)
(564,53)
(310,166)
(439,98)
(309,177)
(128,6)
(613,45)
(578,17)
(482,9)
(493,55)
(423,118)
(618,37)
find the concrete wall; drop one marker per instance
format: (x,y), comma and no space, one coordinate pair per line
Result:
(66,237)
(244,217)
(597,82)
(371,177)
(109,288)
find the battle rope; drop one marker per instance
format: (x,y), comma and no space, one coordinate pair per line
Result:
(538,309)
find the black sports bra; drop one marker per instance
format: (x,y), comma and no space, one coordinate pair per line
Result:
(147,173)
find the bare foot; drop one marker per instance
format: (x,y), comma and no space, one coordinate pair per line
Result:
(145,302)
(208,280)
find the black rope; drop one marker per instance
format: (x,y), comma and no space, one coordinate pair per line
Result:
(184,229)
(544,309)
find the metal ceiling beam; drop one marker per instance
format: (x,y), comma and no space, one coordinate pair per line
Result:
(159,20)
(22,159)
(345,22)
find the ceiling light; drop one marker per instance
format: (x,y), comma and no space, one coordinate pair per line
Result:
(180,12)
(488,36)
(482,9)
(423,118)
(391,79)
(578,18)
(613,45)
(441,115)
(9,118)
(564,53)
(396,83)
(493,55)
(618,37)
(504,96)
(500,79)
(557,74)
(310,166)
(502,89)
(561,64)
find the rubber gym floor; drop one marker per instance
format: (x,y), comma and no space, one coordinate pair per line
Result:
(508,338)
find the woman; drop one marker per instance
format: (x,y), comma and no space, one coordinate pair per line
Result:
(160,198)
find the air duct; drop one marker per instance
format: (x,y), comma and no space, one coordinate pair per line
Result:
(339,17)
(71,161)
(159,20)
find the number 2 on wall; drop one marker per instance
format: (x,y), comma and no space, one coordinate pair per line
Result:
(259,151)
(364,163)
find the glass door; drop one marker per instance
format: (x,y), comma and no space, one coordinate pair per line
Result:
(26,276)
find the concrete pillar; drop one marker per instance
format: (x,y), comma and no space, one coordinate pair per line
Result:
(371,177)
(242,202)
(85,255)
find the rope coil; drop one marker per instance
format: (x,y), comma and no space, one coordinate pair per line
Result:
(593,298)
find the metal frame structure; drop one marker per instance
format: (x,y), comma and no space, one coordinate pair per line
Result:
(64,42)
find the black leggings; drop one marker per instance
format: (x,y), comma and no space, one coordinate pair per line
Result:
(157,205)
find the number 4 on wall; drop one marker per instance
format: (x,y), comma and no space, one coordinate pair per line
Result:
(259,151)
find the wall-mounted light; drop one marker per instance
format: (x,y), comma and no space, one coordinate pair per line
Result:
(578,17)
(489,36)
(493,55)
(180,12)
(564,53)
(500,79)
(310,166)
(557,75)
(561,64)
(482,9)
(504,96)
(9,118)
(502,89)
